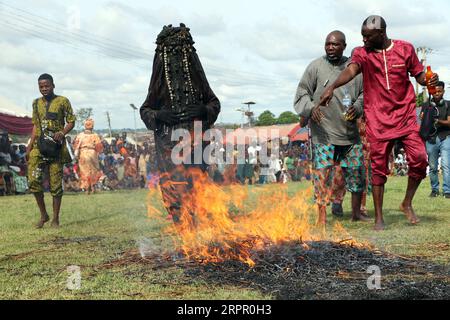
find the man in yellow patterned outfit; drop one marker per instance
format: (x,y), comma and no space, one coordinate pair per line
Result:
(54,116)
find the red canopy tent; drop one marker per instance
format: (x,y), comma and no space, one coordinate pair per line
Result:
(298,134)
(14,119)
(260,134)
(14,124)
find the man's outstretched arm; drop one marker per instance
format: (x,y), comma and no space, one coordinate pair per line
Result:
(345,77)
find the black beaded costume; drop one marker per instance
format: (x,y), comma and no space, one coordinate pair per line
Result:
(177,85)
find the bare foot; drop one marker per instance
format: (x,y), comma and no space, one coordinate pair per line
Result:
(362,218)
(379,226)
(41,222)
(365,214)
(55,224)
(410,214)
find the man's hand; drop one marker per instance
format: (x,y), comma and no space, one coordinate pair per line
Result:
(194,111)
(316,114)
(434,80)
(422,79)
(59,136)
(167,116)
(326,97)
(303,121)
(351,114)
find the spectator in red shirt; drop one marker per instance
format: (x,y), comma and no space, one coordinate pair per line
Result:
(389,107)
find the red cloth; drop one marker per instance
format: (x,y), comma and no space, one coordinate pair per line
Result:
(16,125)
(389,97)
(298,134)
(416,155)
(123,152)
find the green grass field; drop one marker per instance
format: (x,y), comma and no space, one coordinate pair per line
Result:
(100,228)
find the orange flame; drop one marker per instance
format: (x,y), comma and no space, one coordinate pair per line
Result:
(230,223)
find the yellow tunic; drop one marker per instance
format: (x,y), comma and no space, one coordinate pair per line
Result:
(59,112)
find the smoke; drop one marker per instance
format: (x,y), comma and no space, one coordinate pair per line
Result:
(147,247)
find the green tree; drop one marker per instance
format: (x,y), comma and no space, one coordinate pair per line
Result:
(287,117)
(266,118)
(419,100)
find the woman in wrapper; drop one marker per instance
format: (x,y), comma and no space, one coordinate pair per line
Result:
(88,146)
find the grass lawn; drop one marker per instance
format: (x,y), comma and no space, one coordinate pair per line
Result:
(100,228)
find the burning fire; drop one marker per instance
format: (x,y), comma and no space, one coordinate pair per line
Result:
(231,223)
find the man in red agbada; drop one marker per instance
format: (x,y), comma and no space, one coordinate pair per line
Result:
(389,107)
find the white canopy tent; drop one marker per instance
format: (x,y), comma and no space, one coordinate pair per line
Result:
(14,119)
(10,108)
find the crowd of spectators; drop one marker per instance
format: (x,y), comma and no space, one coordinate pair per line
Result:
(129,165)
(124,165)
(258,165)
(13,166)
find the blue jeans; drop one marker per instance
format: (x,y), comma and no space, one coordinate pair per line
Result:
(442,149)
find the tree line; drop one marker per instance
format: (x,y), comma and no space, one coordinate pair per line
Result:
(267,118)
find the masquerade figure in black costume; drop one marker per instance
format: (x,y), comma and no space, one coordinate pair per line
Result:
(179,95)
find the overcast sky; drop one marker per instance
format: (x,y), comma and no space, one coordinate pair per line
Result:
(100,52)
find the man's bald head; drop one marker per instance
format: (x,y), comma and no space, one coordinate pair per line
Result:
(374,33)
(335,45)
(338,35)
(375,23)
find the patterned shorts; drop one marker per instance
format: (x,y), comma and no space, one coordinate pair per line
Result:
(37,168)
(325,156)
(351,161)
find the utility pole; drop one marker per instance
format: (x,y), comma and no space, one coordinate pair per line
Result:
(109,123)
(243,116)
(135,130)
(249,114)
